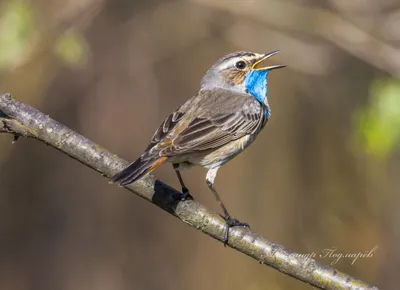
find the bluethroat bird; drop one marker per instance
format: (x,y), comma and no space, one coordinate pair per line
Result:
(212,127)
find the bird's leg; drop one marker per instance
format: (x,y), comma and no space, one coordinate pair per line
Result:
(230,221)
(185,191)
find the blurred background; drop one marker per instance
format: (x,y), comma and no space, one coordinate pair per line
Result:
(324,174)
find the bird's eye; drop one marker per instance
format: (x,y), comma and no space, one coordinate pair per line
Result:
(240,64)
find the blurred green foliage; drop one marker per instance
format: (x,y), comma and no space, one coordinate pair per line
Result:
(72,48)
(378,125)
(17,25)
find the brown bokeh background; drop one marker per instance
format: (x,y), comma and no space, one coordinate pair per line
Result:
(113,69)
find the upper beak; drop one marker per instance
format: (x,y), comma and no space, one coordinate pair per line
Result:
(264,57)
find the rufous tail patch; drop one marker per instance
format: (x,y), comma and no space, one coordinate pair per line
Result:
(158,163)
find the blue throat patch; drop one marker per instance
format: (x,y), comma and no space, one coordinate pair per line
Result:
(256,83)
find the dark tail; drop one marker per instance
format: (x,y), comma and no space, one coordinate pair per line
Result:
(143,165)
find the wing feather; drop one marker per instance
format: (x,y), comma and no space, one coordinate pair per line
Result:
(207,133)
(209,120)
(165,128)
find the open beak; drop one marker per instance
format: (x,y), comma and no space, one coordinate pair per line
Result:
(264,57)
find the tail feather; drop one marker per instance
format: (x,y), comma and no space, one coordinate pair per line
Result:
(136,170)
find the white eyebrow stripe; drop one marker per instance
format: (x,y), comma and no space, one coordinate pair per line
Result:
(231,62)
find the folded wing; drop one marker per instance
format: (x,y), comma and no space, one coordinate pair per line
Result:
(217,124)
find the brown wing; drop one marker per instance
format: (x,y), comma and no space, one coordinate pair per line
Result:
(209,120)
(209,132)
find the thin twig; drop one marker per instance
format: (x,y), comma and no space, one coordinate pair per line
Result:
(22,120)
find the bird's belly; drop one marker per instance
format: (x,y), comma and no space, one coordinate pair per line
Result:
(216,157)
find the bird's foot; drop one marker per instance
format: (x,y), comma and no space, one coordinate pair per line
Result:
(185,194)
(232,222)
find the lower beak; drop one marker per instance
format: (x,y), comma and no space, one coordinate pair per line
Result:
(264,57)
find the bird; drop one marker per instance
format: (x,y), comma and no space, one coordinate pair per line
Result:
(212,127)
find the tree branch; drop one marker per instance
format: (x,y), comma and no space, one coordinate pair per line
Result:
(22,120)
